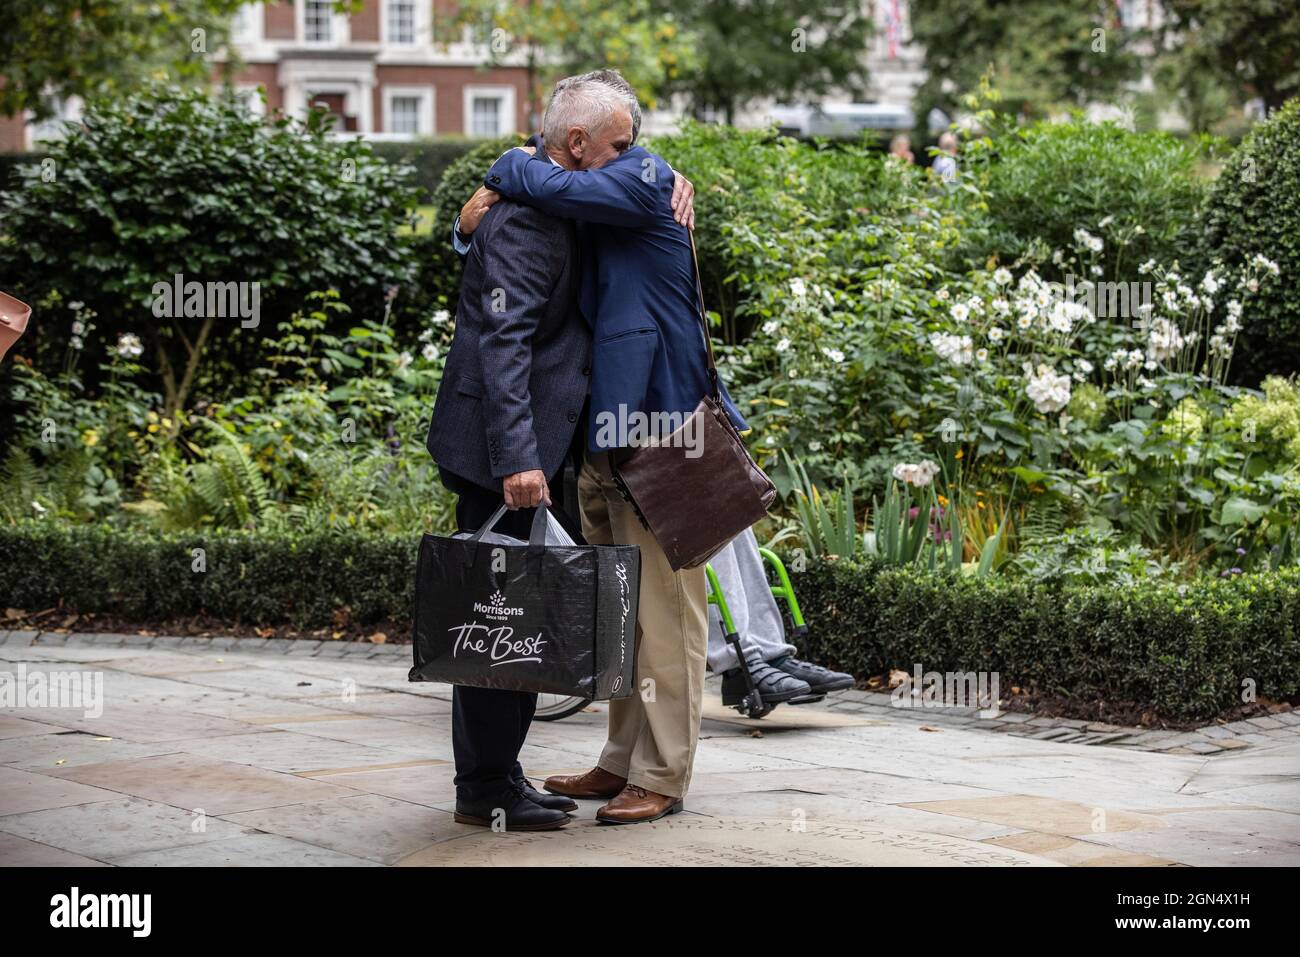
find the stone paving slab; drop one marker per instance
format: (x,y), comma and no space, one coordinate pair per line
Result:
(232,752)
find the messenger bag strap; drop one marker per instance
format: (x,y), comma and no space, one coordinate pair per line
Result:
(704,319)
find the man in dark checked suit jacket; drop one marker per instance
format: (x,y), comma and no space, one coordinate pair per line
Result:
(505,417)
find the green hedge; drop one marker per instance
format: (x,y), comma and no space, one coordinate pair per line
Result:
(249,578)
(1253,210)
(429,158)
(1184,650)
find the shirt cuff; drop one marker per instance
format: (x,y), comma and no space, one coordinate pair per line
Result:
(459,241)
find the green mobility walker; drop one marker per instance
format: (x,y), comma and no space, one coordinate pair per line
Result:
(551,707)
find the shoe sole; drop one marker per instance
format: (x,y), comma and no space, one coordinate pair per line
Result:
(673,809)
(833,686)
(583,797)
(485,822)
(782,698)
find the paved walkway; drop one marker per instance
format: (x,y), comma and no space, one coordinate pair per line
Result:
(236,751)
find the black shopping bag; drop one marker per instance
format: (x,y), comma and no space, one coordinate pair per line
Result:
(527,617)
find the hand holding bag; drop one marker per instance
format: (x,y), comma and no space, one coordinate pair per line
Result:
(694,504)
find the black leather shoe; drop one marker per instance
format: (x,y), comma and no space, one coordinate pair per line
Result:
(510,811)
(820,680)
(556,802)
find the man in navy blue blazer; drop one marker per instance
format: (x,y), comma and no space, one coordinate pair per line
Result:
(649,372)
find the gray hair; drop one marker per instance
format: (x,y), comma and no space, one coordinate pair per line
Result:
(590,101)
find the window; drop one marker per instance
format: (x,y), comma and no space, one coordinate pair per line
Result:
(488,110)
(318,21)
(401,21)
(485,116)
(404,115)
(408,111)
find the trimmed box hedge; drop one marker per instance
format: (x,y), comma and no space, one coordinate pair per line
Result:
(1185,650)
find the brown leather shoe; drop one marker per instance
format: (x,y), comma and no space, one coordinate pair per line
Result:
(635,805)
(593,784)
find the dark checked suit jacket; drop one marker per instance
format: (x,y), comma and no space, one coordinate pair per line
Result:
(517,373)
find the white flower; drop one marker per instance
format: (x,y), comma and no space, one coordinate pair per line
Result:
(78,328)
(1082,369)
(404,360)
(960,312)
(814,446)
(1209,284)
(833,354)
(1106,222)
(76,342)
(1252,284)
(430,352)
(1025,321)
(1087,240)
(1001,306)
(439,317)
(783,345)
(1146,267)
(129,345)
(996,334)
(1166,339)
(76,306)
(955,349)
(798,288)
(38,508)
(1234,308)
(1002,276)
(1049,391)
(982,355)
(769,327)
(942,295)
(919,474)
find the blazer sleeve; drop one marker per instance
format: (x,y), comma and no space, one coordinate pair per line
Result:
(633,190)
(522,255)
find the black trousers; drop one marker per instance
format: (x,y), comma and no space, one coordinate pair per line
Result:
(488,726)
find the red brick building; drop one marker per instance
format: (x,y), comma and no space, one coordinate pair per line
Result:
(385,72)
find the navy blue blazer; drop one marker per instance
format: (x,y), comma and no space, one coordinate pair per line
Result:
(637,285)
(516,376)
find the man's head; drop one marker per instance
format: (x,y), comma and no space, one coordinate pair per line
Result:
(590,119)
(948,142)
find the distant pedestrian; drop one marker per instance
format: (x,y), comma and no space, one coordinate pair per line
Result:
(945,164)
(900,148)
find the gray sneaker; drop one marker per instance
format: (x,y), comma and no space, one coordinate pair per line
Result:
(775,686)
(819,679)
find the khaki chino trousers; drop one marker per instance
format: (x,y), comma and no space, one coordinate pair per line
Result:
(653,733)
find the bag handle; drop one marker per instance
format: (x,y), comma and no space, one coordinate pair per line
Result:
(489,524)
(536,535)
(704,320)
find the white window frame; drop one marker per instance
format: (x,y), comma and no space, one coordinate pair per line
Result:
(508,110)
(423,28)
(426,123)
(340,28)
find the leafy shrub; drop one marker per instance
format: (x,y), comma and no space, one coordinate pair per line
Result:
(169,182)
(428,158)
(1047,180)
(1252,211)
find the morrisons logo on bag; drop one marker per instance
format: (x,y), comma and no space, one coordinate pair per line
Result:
(495,607)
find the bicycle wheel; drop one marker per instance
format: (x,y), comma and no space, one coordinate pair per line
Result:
(554,707)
